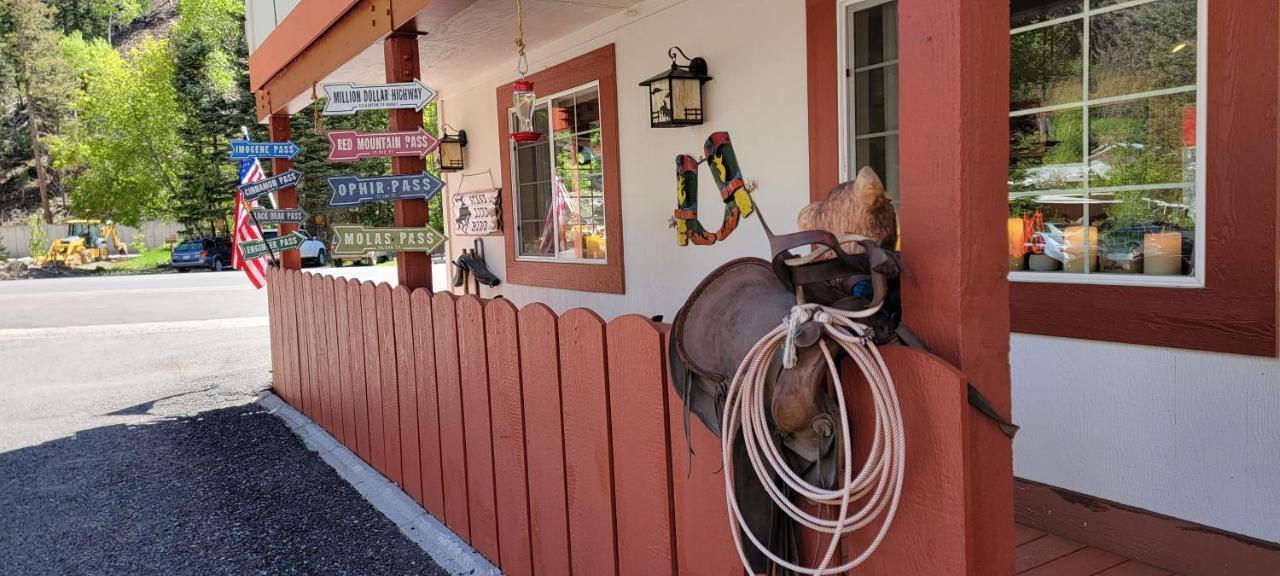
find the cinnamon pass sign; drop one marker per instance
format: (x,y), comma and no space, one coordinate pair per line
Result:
(255,190)
(356,240)
(345,98)
(349,146)
(354,190)
(248,149)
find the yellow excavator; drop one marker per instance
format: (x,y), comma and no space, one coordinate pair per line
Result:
(86,241)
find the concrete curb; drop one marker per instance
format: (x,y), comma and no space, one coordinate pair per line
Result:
(445,548)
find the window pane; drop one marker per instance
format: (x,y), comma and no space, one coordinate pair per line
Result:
(1046,151)
(876,100)
(587,110)
(881,154)
(580,179)
(1147,232)
(1051,237)
(875,35)
(1140,48)
(1142,141)
(1046,67)
(1024,12)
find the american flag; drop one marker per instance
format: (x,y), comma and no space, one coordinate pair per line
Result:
(256,269)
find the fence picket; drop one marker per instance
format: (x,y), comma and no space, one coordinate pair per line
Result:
(428,404)
(373,377)
(356,369)
(637,397)
(406,379)
(332,372)
(589,469)
(473,364)
(544,440)
(507,406)
(453,457)
(307,359)
(342,340)
(290,313)
(389,385)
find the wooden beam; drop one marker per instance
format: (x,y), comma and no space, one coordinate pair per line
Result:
(954,87)
(288,197)
(400,53)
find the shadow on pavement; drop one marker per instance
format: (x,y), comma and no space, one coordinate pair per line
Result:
(228,491)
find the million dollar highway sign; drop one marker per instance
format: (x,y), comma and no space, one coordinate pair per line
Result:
(346,98)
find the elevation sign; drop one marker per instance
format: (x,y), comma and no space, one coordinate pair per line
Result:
(275,183)
(346,146)
(345,98)
(246,149)
(280,215)
(256,248)
(354,190)
(355,240)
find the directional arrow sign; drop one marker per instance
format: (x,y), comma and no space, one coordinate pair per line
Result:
(346,146)
(354,240)
(353,190)
(275,183)
(255,248)
(345,98)
(245,149)
(280,215)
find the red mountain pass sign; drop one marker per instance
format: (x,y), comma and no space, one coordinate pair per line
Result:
(348,146)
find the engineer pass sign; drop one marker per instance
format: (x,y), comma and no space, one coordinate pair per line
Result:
(345,98)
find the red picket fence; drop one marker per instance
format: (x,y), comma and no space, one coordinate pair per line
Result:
(553,444)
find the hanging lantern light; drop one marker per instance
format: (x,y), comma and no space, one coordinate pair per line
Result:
(523,98)
(675,96)
(450,150)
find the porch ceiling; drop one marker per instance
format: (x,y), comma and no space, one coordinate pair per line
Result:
(480,37)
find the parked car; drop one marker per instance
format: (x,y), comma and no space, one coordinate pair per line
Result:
(211,253)
(367,259)
(313,252)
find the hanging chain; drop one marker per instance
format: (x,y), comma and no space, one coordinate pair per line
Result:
(522,63)
(315,111)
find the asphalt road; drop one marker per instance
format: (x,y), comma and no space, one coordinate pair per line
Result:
(129,443)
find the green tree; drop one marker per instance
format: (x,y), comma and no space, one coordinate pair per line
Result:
(124,146)
(37,75)
(97,18)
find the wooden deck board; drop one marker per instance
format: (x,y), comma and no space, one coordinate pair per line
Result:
(1043,554)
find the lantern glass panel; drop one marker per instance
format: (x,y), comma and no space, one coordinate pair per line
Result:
(451,156)
(660,101)
(686,100)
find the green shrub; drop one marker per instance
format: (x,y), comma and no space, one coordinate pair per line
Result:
(39,243)
(138,244)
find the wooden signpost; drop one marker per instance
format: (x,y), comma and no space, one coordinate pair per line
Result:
(280,215)
(355,240)
(354,190)
(345,98)
(256,190)
(476,213)
(246,149)
(349,146)
(256,248)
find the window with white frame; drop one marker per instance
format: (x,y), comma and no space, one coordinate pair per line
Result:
(1105,117)
(870,90)
(559,181)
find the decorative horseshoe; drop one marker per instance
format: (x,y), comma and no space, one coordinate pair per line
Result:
(728,178)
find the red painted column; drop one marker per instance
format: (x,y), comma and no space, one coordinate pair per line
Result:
(400,54)
(288,197)
(954,86)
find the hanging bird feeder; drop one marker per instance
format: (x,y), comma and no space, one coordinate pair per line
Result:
(523,98)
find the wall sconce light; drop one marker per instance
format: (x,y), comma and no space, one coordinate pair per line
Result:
(675,96)
(450,149)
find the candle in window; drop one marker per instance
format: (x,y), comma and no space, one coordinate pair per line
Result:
(1073,238)
(1017,244)
(1162,253)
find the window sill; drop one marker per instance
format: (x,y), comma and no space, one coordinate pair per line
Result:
(1103,279)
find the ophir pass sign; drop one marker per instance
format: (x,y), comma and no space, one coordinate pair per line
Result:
(355,240)
(345,98)
(354,190)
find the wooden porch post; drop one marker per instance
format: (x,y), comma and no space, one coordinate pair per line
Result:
(954,87)
(288,197)
(400,57)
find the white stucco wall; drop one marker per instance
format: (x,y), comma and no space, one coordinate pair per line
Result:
(1194,435)
(262,16)
(758,95)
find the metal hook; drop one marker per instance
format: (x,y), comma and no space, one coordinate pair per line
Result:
(671,53)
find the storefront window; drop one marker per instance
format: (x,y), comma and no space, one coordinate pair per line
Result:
(871,90)
(1103,131)
(559,181)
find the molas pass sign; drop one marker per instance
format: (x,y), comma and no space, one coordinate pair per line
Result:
(345,98)
(355,240)
(354,190)
(348,146)
(257,248)
(280,215)
(256,190)
(247,149)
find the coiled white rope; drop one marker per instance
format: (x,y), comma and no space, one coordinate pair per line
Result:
(879,480)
